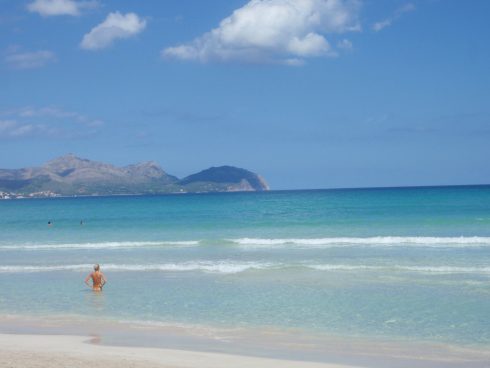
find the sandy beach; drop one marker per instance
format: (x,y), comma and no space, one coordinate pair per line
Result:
(70,342)
(78,351)
(59,351)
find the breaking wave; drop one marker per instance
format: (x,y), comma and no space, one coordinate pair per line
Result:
(421,269)
(205,266)
(375,241)
(102,245)
(229,267)
(271,243)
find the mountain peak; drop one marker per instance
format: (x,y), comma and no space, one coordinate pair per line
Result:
(146,164)
(68,162)
(149,169)
(232,178)
(69,157)
(72,175)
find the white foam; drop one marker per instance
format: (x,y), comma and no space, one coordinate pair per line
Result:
(446,269)
(30,268)
(421,269)
(224,267)
(230,267)
(259,243)
(375,241)
(343,267)
(102,245)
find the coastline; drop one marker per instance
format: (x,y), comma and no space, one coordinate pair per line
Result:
(27,341)
(381,279)
(333,189)
(81,351)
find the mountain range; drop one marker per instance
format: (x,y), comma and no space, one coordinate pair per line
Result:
(70,175)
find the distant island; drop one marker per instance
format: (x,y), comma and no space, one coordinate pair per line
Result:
(70,175)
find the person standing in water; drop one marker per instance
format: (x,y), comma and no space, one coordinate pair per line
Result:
(98,279)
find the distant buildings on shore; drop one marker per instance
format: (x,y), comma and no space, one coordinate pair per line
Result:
(43,194)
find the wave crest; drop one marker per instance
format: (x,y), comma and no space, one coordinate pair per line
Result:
(230,267)
(375,241)
(102,245)
(270,243)
(205,266)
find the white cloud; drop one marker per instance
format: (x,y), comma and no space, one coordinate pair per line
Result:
(15,129)
(344,44)
(56,113)
(378,26)
(273,31)
(29,60)
(48,122)
(114,27)
(48,8)
(7,125)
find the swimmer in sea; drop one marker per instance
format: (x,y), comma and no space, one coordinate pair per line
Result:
(98,279)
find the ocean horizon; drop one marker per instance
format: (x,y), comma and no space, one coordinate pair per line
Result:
(421,186)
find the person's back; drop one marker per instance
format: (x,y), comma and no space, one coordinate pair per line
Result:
(98,279)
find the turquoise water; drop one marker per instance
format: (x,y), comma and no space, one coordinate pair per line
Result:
(404,263)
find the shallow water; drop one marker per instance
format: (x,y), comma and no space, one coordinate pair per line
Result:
(410,264)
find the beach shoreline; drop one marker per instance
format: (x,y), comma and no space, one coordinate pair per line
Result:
(28,341)
(77,351)
(379,278)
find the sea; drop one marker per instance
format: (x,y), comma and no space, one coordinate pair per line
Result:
(404,264)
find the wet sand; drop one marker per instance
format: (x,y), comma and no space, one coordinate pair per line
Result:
(72,342)
(76,352)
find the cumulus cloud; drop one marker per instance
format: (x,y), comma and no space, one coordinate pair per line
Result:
(48,8)
(378,26)
(115,26)
(17,59)
(48,122)
(273,31)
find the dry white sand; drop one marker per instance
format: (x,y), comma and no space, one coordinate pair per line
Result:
(63,351)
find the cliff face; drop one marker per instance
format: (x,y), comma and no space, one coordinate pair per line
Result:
(226,177)
(71,175)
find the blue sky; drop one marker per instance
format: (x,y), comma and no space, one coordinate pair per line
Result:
(308,93)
